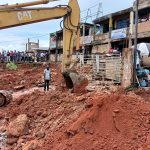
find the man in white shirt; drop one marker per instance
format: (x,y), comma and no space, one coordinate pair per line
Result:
(47,77)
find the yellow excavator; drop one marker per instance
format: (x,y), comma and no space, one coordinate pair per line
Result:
(20,14)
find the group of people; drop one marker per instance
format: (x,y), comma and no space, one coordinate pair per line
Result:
(113,51)
(42,57)
(17,56)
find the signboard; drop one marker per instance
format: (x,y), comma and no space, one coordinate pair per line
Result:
(53,41)
(119,34)
(100,48)
(32,46)
(86,40)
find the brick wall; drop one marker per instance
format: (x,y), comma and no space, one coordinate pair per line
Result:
(144,4)
(143,29)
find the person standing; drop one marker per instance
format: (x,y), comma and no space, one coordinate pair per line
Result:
(11,56)
(8,56)
(5,55)
(47,77)
(148,77)
(14,56)
(0,56)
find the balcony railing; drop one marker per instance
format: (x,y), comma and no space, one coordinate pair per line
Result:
(101,37)
(144,27)
(60,44)
(144,4)
(86,40)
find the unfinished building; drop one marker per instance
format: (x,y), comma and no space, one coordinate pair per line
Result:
(86,40)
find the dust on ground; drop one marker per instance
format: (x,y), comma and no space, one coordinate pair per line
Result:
(27,75)
(61,120)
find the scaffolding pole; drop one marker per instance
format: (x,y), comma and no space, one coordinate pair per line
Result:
(135,43)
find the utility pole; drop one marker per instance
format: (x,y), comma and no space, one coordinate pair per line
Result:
(100,11)
(89,15)
(135,42)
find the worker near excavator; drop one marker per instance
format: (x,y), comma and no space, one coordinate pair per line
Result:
(47,77)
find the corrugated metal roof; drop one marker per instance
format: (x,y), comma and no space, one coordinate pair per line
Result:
(118,13)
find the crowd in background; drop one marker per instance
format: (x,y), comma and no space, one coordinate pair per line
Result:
(17,56)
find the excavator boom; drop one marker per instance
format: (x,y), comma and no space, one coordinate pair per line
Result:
(17,15)
(26,4)
(22,16)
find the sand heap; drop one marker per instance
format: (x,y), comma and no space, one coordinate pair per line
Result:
(108,122)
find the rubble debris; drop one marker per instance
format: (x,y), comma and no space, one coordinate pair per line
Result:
(61,120)
(30,145)
(12,140)
(40,134)
(19,126)
(113,117)
(17,88)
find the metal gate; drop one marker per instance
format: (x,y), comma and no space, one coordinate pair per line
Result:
(104,68)
(108,68)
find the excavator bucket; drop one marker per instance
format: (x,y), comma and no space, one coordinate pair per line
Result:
(75,81)
(71,39)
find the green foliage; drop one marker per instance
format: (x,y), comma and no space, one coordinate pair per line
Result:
(11,66)
(130,88)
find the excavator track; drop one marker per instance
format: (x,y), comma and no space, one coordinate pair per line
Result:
(2,100)
(5,97)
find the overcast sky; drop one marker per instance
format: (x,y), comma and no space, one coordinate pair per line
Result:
(15,38)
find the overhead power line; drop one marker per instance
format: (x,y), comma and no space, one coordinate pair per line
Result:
(91,14)
(25,38)
(89,8)
(88,15)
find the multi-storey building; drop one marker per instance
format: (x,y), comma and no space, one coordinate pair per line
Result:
(117,29)
(86,40)
(144,21)
(30,46)
(114,31)
(56,46)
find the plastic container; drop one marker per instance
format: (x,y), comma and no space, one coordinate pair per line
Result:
(143,83)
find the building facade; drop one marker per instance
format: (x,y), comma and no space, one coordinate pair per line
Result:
(86,42)
(114,31)
(143,21)
(30,46)
(117,30)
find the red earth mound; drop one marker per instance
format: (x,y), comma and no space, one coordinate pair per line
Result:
(109,122)
(28,75)
(60,120)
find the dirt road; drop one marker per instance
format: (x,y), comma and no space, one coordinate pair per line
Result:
(61,120)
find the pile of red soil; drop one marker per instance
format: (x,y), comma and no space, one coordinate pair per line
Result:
(92,121)
(109,122)
(81,87)
(28,75)
(47,112)
(143,93)
(66,121)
